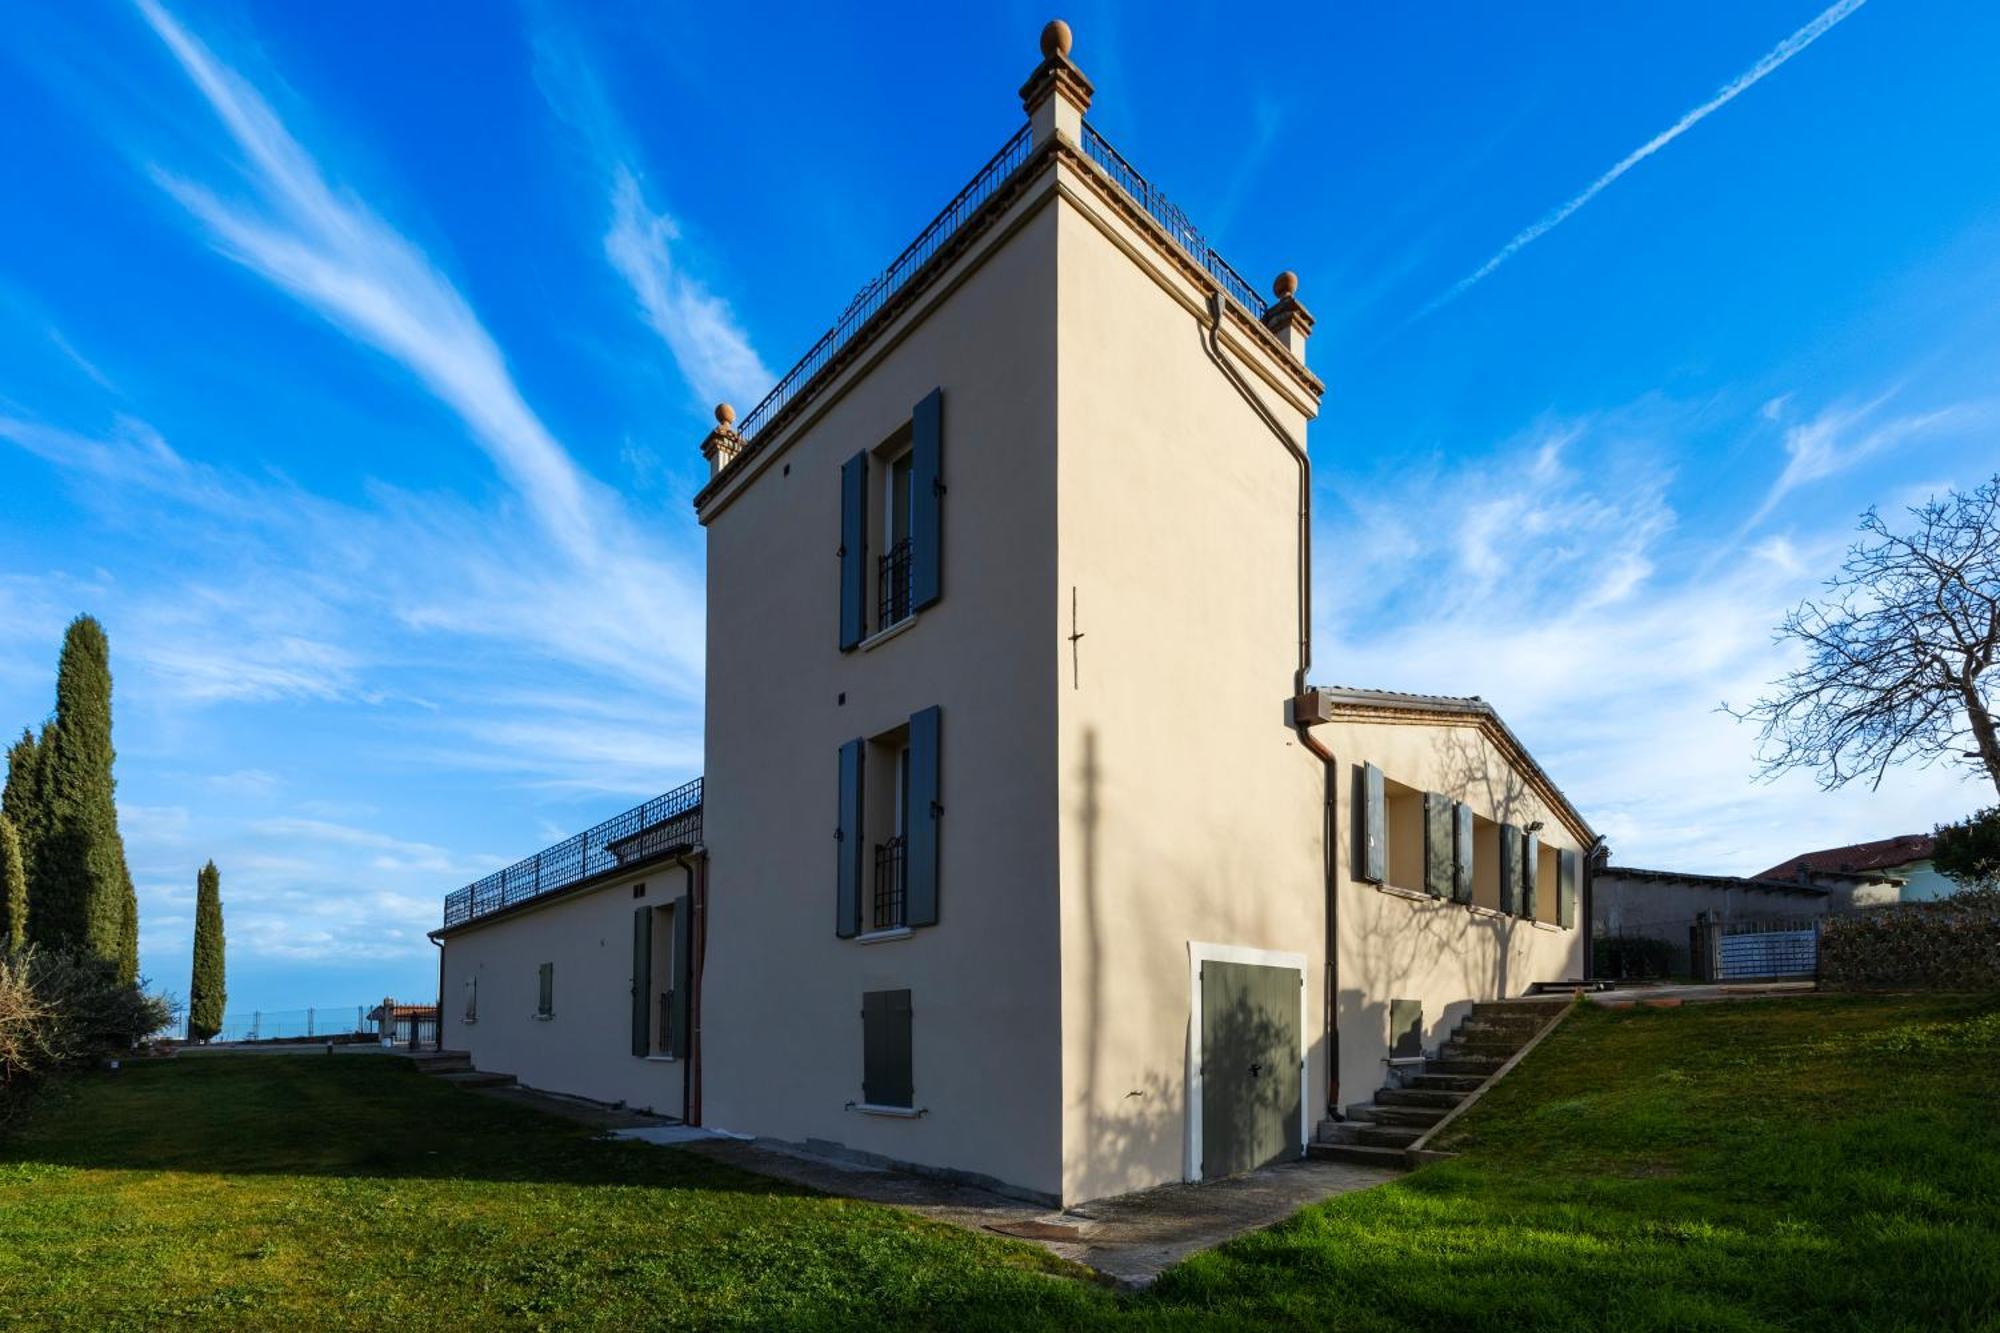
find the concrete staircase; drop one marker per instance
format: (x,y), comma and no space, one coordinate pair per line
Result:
(1381,1131)
(455,1067)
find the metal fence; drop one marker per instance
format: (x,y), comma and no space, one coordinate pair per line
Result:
(314,1021)
(664,824)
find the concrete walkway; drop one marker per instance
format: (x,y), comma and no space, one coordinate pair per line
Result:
(1130,1239)
(1667,995)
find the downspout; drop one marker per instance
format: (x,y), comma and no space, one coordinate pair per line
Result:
(697,892)
(437,1028)
(1329,768)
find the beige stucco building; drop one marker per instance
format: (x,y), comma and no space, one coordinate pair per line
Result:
(1024,852)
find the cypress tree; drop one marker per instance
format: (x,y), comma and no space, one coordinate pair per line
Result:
(128,930)
(207,992)
(21,799)
(13,891)
(79,888)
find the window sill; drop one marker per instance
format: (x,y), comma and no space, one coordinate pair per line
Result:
(885,936)
(468,1022)
(1397,891)
(892,1112)
(1399,1061)
(882,636)
(543,1018)
(662,1060)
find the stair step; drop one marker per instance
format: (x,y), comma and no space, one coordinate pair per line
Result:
(1357,1153)
(1435,1080)
(1380,1113)
(473,1078)
(1508,1028)
(1479,1050)
(1442,1098)
(1541,1009)
(1475,1064)
(1373,1135)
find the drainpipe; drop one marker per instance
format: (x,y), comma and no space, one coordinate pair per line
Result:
(437,1028)
(690,1093)
(1294,325)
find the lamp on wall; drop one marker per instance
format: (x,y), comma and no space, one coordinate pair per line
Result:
(1535,827)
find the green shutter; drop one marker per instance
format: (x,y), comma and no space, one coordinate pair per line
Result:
(1510,869)
(1531,872)
(683,1001)
(1567,866)
(847,843)
(921,848)
(1461,876)
(642,980)
(1438,850)
(1374,826)
(545,989)
(927,501)
(885,1049)
(854,550)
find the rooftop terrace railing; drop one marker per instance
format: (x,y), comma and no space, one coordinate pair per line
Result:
(664,825)
(873,296)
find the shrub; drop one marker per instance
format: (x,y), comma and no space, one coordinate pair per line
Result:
(1968,852)
(1631,957)
(61,1009)
(1952,944)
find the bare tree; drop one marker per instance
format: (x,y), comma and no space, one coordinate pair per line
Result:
(1897,651)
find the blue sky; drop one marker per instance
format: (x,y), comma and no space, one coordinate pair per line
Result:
(353,361)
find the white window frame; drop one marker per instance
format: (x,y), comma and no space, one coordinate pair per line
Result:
(1200,952)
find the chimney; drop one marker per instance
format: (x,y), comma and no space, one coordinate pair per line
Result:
(1057,94)
(1288,319)
(723,443)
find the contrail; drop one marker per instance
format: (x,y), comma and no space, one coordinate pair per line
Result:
(1742,83)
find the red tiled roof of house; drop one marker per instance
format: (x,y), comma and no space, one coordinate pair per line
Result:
(1878,855)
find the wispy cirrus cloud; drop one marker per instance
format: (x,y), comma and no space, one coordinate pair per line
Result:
(1770,63)
(699,329)
(1842,436)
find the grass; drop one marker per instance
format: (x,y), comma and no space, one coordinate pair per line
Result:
(1810,1163)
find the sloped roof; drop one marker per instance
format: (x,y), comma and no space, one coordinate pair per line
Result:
(1857,858)
(1756,882)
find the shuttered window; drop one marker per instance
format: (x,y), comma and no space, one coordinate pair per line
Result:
(1440,852)
(1461,870)
(886,1078)
(1569,864)
(472,999)
(1510,869)
(545,991)
(642,981)
(1374,827)
(849,842)
(925,813)
(1531,872)
(927,501)
(854,551)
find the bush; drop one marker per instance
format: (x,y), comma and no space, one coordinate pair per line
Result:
(1631,958)
(1951,944)
(61,1009)
(1968,852)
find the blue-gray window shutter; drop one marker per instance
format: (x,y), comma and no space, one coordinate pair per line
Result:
(545,989)
(1531,872)
(927,501)
(683,994)
(1568,863)
(847,839)
(853,550)
(1461,870)
(926,812)
(1510,869)
(642,980)
(1438,851)
(886,1078)
(1374,827)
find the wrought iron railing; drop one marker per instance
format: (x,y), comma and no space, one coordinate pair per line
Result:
(1099,150)
(662,825)
(889,883)
(892,602)
(876,293)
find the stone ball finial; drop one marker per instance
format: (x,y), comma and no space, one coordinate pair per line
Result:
(1055,40)
(1286,286)
(724,414)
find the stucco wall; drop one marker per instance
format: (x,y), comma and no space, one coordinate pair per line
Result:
(586,1048)
(1397,943)
(1189,812)
(782,1032)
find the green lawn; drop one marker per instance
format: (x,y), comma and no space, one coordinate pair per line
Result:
(1810,1163)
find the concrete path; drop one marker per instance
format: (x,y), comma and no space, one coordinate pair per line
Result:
(1668,995)
(1130,1239)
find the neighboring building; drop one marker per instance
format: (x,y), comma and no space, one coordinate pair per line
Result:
(412,1025)
(1025,853)
(1904,860)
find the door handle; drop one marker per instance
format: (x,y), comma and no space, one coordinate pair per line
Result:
(1255,1070)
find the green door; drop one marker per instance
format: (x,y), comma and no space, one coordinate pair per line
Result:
(1250,1077)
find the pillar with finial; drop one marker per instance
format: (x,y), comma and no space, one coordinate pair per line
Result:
(723,443)
(1057,94)
(1287,318)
